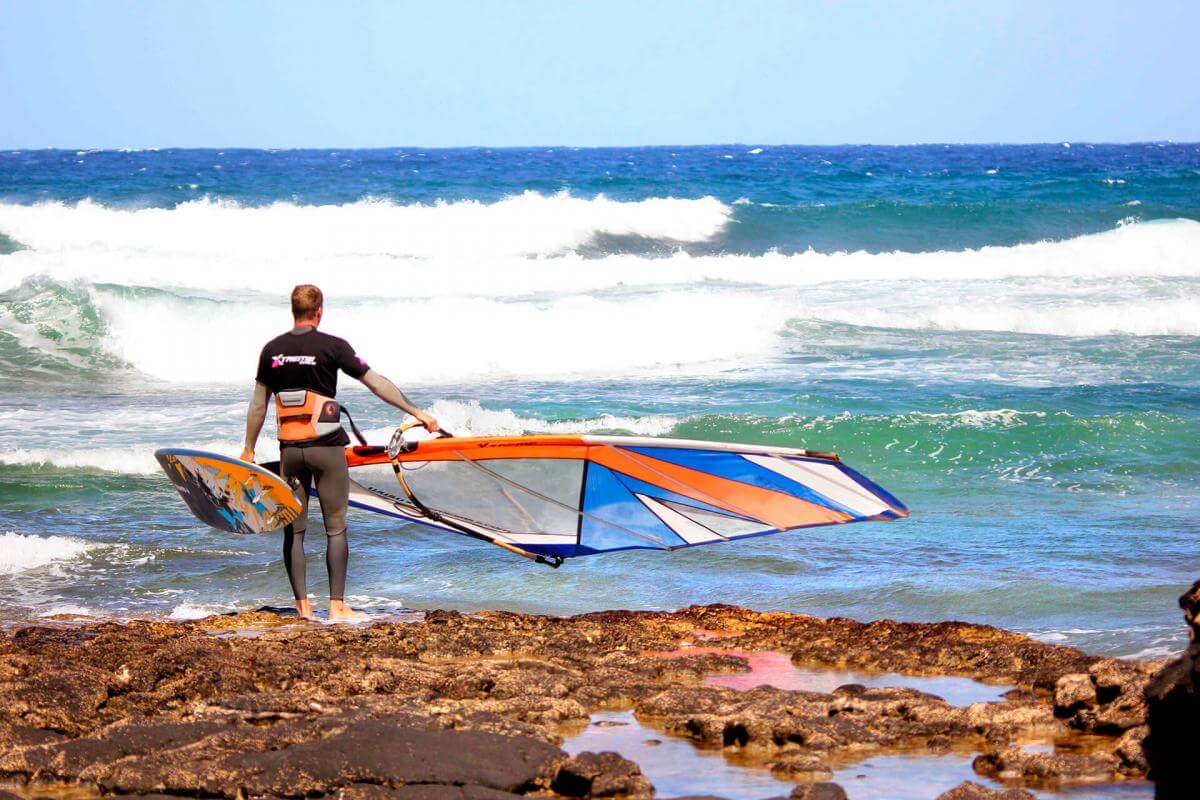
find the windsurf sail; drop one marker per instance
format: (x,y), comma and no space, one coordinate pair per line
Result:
(556,497)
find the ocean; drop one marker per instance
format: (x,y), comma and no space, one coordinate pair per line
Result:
(1005,337)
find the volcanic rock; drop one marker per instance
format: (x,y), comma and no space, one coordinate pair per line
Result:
(475,707)
(1173,712)
(819,791)
(969,790)
(601,775)
(1040,768)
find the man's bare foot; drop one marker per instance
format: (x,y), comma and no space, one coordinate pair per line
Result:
(340,612)
(304,608)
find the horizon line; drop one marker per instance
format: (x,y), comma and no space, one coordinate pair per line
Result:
(1048,143)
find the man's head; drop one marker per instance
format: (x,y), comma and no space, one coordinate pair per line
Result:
(307,304)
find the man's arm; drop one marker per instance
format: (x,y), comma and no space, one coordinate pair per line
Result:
(389,393)
(255,415)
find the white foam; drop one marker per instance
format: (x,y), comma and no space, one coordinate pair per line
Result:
(352,253)
(979,418)
(463,419)
(185,611)
(133,459)
(1073,318)
(1159,651)
(520,225)
(471,419)
(408,286)
(455,338)
(69,609)
(24,552)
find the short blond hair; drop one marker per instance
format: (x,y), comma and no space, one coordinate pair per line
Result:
(307,300)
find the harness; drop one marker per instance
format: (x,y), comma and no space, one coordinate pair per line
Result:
(305,416)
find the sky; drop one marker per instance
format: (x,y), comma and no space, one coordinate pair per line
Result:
(556,72)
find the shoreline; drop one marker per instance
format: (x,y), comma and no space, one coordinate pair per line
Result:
(255,704)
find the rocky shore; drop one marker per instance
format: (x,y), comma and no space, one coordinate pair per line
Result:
(255,705)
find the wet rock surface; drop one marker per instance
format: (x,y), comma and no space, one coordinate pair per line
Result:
(601,775)
(1173,714)
(476,706)
(819,791)
(1047,768)
(969,790)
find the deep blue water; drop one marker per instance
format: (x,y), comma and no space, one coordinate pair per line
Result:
(929,197)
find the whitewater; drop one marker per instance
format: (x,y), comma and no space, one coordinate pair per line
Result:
(486,279)
(1005,337)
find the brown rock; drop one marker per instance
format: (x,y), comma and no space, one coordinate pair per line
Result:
(293,757)
(604,774)
(1120,696)
(1055,767)
(819,791)
(1131,750)
(969,790)
(1173,713)
(155,708)
(1009,717)
(1072,693)
(801,766)
(366,791)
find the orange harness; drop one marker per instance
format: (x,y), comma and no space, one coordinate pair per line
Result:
(305,416)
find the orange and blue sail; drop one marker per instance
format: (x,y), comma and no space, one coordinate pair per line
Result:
(569,496)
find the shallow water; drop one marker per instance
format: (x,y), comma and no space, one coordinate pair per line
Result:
(912,777)
(676,767)
(1004,337)
(771,668)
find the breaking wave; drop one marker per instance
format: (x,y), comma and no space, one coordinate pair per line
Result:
(21,552)
(356,250)
(476,291)
(528,224)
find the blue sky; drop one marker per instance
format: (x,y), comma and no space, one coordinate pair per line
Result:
(361,74)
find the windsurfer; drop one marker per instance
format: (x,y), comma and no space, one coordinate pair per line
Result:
(300,368)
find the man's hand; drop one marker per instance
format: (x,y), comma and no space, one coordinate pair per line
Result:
(428,421)
(248,454)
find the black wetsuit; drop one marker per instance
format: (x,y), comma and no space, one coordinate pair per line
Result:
(305,358)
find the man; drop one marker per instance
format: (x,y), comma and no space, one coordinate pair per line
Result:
(300,368)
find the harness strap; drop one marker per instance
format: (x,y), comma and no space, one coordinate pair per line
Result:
(357,433)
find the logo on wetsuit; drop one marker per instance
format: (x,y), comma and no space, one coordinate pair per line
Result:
(303,361)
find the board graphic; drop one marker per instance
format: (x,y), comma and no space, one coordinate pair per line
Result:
(227,493)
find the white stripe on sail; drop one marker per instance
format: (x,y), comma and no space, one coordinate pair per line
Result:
(688,530)
(826,480)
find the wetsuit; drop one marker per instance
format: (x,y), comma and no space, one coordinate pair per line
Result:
(307,359)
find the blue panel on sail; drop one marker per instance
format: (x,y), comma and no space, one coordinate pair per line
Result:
(607,498)
(659,493)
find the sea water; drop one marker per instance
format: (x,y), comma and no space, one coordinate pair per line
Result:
(1006,337)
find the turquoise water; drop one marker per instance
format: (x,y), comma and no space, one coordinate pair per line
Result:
(1007,338)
